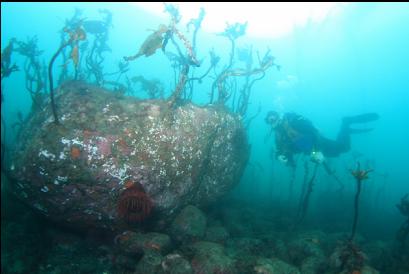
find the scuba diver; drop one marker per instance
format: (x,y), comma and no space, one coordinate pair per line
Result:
(295,134)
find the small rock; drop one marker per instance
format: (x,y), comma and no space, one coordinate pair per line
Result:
(217,234)
(210,258)
(175,264)
(131,242)
(189,225)
(274,266)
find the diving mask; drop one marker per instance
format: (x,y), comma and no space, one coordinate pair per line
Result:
(272,118)
(317,157)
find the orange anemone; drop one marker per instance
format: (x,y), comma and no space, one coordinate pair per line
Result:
(134,205)
(75,152)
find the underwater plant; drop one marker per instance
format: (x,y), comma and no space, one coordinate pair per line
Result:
(179,87)
(134,205)
(232,32)
(70,23)
(332,173)
(214,60)
(6,67)
(305,199)
(160,37)
(359,176)
(190,59)
(123,68)
(348,257)
(153,88)
(34,77)
(225,82)
(159,40)
(265,63)
(74,37)
(6,70)
(403,231)
(94,57)
(196,23)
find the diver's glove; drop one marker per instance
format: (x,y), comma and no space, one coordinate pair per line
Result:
(317,157)
(282,158)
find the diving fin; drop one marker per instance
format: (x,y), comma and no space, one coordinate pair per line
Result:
(363,118)
(356,130)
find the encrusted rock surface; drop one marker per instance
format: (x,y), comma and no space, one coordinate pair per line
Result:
(106,143)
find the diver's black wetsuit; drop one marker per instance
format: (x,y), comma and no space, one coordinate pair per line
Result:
(295,134)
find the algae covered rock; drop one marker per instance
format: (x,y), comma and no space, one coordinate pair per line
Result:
(217,234)
(150,263)
(115,160)
(174,263)
(130,242)
(306,252)
(211,258)
(189,225)
(274,265)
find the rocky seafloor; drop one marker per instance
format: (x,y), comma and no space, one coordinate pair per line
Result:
(232,237)
(124,185)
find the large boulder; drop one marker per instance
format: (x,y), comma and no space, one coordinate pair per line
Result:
(115,160)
